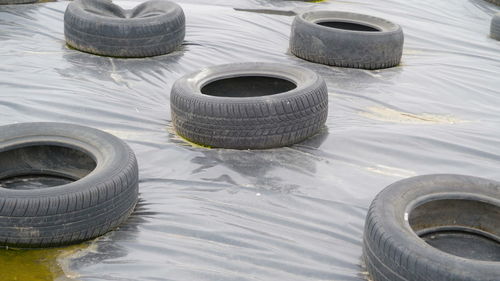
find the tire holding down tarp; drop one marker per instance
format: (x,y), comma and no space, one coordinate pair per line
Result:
(101,193)
(249,105)
(403,213)
(346,39)
(155,27)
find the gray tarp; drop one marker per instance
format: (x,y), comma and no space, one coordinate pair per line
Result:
(294,213)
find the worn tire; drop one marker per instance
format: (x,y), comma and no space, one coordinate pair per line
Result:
(392,249)
(346,40)
(155,27)
(245,117)
(101,194)
(13,2)
(495,27)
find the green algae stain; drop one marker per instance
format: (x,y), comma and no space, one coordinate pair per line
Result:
(37,264)
(183,141)
(192,144)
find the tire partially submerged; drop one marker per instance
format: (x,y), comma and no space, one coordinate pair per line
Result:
(434,227)
(495,27)
(153,28)
(346,39)
(249,105)
(62,184)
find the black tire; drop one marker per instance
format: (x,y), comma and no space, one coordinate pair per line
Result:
(404,218)
(11,2)
(346,39)
(155,27)
(99,192)
(249,105)
(495,27)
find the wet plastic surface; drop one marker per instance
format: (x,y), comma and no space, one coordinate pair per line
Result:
(293,213)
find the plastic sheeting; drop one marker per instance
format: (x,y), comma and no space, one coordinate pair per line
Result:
(294,213)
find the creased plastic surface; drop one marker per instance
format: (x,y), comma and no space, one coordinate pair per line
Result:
(294,213)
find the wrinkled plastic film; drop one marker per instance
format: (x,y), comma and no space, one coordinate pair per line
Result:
(294,213)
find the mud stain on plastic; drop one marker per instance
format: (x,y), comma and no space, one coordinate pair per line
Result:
(391,115)
(116,76)
(391,171)
(411,52)
(40,264)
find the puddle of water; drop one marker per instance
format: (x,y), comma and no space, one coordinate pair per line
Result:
(39,264)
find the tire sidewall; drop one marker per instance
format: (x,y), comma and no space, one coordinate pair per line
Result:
(110,153)
(394,203)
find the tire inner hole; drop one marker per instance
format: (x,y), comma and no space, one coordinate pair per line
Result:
(348,26)
(247,86)
(42,166)
(461,227)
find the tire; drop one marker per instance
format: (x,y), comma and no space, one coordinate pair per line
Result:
(99,190)
(495,27)
(346,40)
(433,206)
(153,28)
(249,105)
(496,2)
(10,2)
